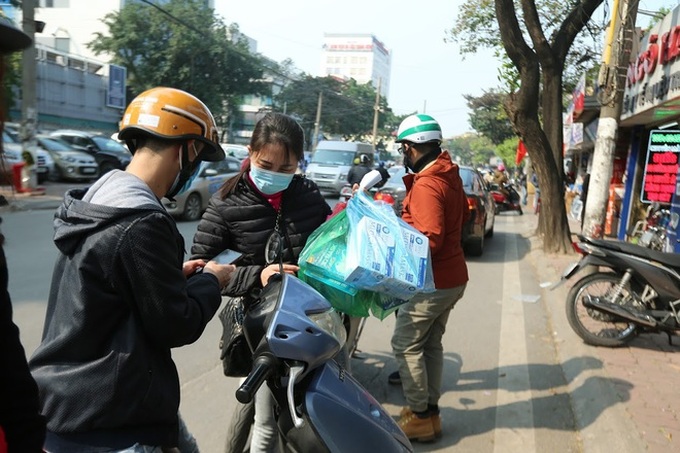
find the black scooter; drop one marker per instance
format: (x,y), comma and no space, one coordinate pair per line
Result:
(635,290)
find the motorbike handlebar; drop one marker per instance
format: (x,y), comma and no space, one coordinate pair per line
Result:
(262,369)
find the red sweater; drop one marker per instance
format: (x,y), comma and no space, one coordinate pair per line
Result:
(436,205)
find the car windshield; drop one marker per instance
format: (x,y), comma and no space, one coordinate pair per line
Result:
(466,175)
(239,152)
(7,138)
(109,144)
(396,177)
(332,157)
(51,144)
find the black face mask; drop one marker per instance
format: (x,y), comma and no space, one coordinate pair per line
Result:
(184,176)
(415,167)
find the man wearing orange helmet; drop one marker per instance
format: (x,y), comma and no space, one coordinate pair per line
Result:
(121,297)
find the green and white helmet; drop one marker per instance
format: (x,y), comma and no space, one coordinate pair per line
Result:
(419,129)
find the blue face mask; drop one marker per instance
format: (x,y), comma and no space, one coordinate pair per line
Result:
(269,182)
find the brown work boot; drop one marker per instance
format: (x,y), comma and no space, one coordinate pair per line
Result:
(416,428)
(436,424)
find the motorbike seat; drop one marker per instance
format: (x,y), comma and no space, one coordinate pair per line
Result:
(667,259)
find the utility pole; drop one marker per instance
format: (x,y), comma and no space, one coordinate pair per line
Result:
(376,111)
(611,83)
(317,122)
(28,95)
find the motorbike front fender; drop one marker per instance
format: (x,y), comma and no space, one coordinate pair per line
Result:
(575,268)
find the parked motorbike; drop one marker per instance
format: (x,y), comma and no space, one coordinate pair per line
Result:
(635,290)
(294,334)
(506,197)
(651,231)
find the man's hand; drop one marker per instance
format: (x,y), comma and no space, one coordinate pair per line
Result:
(223,272)
(192,266)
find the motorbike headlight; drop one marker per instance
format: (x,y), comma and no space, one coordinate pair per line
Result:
(330,322)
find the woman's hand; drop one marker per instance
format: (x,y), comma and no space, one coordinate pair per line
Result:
(272,269)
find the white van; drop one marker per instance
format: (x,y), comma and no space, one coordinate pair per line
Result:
(332,160)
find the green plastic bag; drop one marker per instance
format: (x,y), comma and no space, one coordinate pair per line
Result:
(322,265)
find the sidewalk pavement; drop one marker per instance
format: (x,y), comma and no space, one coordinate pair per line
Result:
(49,197)
(646,416)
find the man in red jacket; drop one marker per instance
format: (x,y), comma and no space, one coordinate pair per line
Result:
(435,205)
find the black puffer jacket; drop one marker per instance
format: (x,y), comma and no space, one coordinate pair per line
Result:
(244,220)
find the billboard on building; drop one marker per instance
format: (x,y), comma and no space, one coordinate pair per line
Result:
(115,94)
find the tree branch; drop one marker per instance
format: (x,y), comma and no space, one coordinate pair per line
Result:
(535,29)
(511,34)
(572,26)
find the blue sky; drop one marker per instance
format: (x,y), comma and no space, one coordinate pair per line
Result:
(427,74)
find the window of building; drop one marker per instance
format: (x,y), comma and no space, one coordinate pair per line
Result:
(62,44)
(54,4)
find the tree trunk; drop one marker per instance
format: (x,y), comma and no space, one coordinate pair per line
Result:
(553,225)
(523,112)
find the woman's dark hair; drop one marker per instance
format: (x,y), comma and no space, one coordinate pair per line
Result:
(273,128)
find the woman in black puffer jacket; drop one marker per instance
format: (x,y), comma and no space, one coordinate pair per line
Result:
(266,196)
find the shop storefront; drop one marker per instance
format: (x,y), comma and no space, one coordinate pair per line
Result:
(649,127)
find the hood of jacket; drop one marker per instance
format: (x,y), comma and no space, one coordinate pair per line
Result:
(85,211)
(442,169)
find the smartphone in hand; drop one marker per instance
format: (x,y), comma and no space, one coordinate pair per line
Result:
(228,257)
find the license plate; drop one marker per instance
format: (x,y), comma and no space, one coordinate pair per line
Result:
(88,171)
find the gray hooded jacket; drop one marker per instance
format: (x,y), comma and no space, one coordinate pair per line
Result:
(118,302)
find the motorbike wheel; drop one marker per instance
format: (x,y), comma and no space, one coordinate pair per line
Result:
(595,327)
(238,430)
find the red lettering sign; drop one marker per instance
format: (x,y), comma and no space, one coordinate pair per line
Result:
(661,168)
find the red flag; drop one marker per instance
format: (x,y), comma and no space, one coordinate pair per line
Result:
(579,96)
(521,152)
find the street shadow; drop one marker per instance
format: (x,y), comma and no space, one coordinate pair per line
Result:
(656,342)
(494,248)
(553,409)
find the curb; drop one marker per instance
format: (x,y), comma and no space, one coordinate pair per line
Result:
(11,201)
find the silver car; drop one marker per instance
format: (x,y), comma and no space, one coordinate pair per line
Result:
(192,203)
(238,151)
(69,164)
(13,155)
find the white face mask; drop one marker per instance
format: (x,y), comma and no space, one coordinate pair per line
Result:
(269,182)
